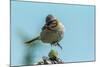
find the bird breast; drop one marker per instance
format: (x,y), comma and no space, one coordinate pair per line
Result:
(49,36)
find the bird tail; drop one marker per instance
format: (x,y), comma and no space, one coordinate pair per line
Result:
(30,41)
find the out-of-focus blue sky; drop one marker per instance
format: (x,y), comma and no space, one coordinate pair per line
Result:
(27,19)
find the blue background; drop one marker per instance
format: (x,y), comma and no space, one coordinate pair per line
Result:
(27,19)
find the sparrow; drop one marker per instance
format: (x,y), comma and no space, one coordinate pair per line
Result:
(52,32)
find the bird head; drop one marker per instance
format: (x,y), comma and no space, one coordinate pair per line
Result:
(51,22)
